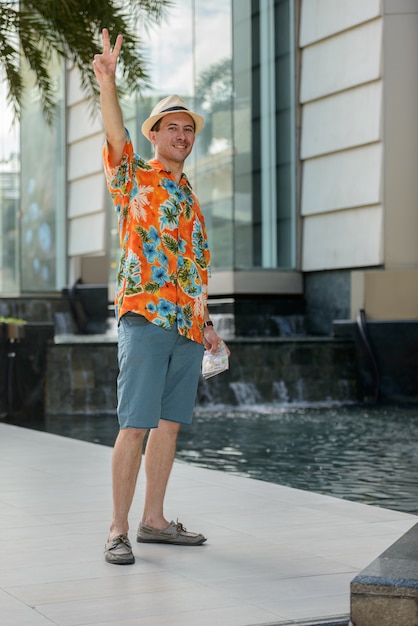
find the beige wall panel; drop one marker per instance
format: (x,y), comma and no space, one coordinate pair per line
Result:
(342,180)
(74,91)
(401,141)
(323,18)
(345,120)
(341,62)
(385,295)
(221,283)
(87,195)
(87,235)
(85,157)
(227,282)
(400,6)
(82,122)
(357,293)
(344,239)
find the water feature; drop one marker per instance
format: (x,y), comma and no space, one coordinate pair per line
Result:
(366,454)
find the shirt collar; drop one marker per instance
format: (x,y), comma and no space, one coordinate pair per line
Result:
(159,167)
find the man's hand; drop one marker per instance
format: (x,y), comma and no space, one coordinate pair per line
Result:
(104,64)
(212,340)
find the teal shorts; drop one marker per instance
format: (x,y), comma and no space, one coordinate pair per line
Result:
(159,373)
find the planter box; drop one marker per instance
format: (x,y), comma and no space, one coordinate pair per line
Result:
(23,368)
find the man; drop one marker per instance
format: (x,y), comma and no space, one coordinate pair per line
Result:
(161,304)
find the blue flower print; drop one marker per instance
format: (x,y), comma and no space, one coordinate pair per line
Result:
(180,317)
(159,275)
(163,258)
(165,307)
(169,185)
(154,236)
(173,190)
(181,245)
(180,262)
(150,251)
(151,307)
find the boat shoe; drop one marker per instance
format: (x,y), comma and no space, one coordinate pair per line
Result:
(119,550)
(175,534)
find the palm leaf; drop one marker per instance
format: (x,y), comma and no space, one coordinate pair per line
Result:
(151,287)
(142,232)
(170,243)
(35,30)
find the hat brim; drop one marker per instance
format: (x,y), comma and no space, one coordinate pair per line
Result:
(199,121)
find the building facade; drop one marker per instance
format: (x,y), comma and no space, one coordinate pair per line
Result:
(305,168)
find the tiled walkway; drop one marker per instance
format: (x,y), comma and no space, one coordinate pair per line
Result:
(274,554)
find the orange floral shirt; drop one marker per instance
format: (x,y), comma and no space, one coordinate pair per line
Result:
(164,256)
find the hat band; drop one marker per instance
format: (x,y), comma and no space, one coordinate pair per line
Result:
(174,109)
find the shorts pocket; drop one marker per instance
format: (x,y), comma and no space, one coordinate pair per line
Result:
(134,319)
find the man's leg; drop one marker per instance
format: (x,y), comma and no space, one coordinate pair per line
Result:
(159,457)
(126,461)
(177,405)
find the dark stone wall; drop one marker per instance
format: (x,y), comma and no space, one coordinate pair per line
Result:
(327,298)
(41,309)
(81,377)
(23,370)
(388,365)
(281,371)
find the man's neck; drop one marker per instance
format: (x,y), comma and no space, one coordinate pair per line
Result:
(174,167)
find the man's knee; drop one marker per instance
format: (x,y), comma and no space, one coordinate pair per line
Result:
(133,434)
(171,428)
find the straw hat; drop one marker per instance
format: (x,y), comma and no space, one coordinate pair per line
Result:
(171,104)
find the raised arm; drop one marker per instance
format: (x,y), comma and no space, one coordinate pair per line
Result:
(104,66)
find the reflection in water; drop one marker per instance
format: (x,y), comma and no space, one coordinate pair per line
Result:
(365,454)
(368,455)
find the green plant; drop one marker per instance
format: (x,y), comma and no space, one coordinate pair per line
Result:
(12,320)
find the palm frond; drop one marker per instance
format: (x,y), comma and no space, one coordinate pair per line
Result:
(37,29)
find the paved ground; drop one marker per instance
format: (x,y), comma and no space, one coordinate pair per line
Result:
(274,554)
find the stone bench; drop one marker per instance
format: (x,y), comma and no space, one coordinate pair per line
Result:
(386,592)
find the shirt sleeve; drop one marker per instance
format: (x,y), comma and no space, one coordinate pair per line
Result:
(120,178)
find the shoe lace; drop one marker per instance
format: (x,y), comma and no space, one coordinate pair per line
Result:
(180,527)
(120,539)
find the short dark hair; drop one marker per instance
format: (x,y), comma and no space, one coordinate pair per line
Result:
(157,125)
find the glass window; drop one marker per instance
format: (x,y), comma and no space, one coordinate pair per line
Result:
(214,153)
(42,249)
(9,196)
(285,133)
(246,225)
(264,129)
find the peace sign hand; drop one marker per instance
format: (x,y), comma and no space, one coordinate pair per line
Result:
(104,64)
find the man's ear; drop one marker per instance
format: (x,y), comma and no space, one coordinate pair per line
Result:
(151,137)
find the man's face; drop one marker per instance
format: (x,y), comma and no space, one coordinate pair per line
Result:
(174,140)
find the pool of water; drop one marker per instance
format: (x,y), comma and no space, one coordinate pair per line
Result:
(364,454)
(368,455)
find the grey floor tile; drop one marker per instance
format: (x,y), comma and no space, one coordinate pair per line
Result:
(16,613)
(273,553)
